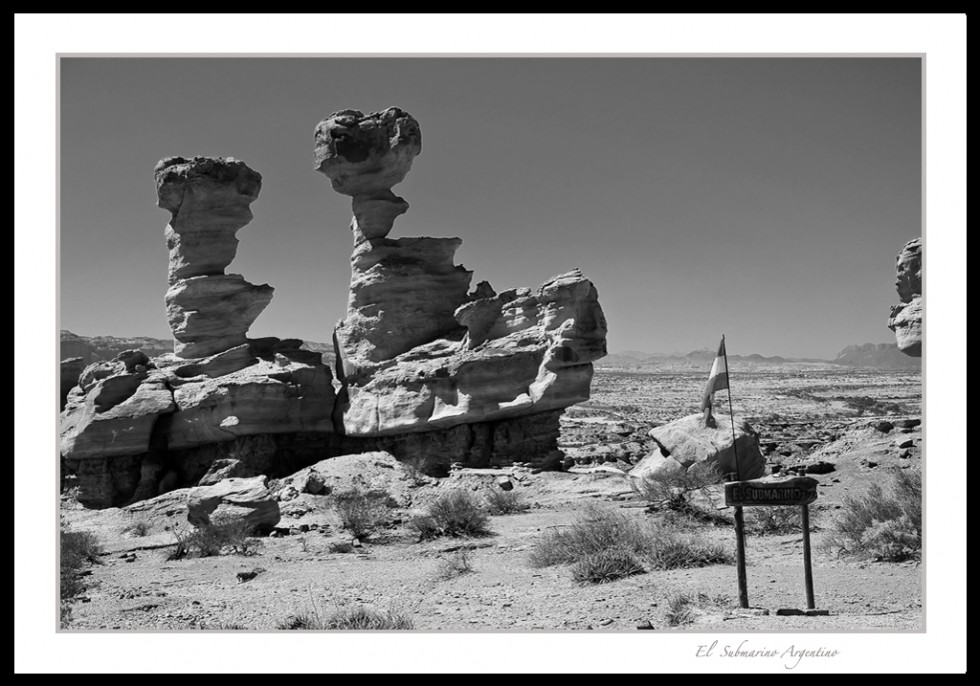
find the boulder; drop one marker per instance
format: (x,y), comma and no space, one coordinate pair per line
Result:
(906,317)
(686,442)
(229,499)
(71,369)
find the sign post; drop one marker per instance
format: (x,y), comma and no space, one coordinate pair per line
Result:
(801,490)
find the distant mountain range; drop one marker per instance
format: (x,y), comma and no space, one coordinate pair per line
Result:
(871,355)
(94,348)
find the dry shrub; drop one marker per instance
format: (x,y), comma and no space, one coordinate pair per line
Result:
(500,502)
(79,549)
(880,526)
(775,520)
(455,565)
(683,608)
(455,513)
(672,491)
(356,618)
(596,530)
(362,512)
(605,566)
(212,539)
(604,531)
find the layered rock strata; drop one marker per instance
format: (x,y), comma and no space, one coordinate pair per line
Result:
(208,198)
(429,370)
(906,317)
(417,352)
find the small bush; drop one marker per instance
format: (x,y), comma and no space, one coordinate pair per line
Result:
(456,565)
(341,547)
(879,526)
(672,550)
(500,502)
(360,618)
(357,618)
(673,491)
(596,530)
(455,513)
(683,608)
(78,550)
(775,520)
(362,512)
(417,468)
(605,566)
(214,538)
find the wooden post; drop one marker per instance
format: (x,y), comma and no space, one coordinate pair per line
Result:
(743,588)
(808,570)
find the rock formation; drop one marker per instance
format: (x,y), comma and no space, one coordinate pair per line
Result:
(208,198)
(686,442)
(428,369)
(906,317)
(417,352)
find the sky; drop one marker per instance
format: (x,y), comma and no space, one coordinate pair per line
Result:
(762,198)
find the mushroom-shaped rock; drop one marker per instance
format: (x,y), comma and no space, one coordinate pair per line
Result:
(364,156)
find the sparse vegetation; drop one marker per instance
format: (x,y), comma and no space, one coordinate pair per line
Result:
(501,502)
(880,526)
(78,550)
(675,492)
(213,539)
(775,520)
(604,531)
(455,513)
(138,527)
(355,618)
(595,531)
(683,608)
(457,564)
(605,566)
(362,512)
(341,547)
(417,467)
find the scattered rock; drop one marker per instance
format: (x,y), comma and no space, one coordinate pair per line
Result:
(248,499)
(884,426)
(505,484)
(820,467)
(908,423)
(647,625)
(906,443)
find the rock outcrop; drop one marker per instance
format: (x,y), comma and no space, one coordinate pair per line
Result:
(686,442)
(430,371)
(229,500)
(71,369)
(417,352)
(208,198)
(906,317)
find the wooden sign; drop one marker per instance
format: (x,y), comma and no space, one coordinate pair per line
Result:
(800,490)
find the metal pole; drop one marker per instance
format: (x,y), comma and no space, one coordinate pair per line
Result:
(731,413)
(743,587)
(808,570)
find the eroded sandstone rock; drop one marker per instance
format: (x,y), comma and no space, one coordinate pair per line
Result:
(208,199)
(234,499)
(906,317)
(687,441)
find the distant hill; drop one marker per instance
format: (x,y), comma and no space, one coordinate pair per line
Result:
(869,355)
(695,359)
(94,348)
(878,356)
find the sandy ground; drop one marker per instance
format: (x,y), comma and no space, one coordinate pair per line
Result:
(134,587)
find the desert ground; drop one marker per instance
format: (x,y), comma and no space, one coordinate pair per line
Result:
(805,415)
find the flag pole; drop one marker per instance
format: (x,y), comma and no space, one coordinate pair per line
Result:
(743,586)
(731,413)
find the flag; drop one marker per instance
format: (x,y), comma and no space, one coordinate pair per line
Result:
(718,378)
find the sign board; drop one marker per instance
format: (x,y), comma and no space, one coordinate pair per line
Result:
(800,490)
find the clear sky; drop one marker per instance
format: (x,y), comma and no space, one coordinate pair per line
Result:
(763,198)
